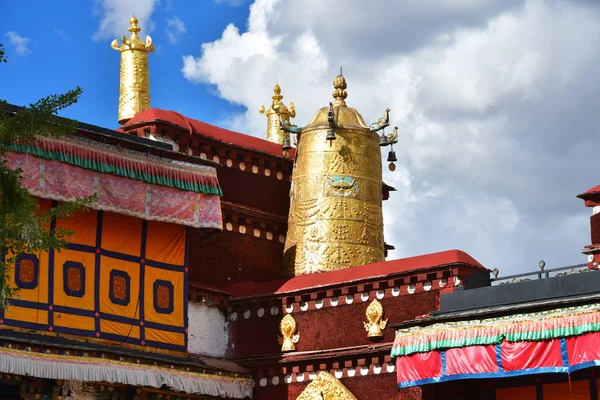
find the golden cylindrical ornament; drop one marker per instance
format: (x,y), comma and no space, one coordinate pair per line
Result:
(134,89)
(276,113)
(335,220)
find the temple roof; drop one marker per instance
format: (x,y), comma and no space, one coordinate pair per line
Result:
(363,272)
(196,127)
(591,197)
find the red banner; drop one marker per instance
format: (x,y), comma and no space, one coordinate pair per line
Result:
(507,359)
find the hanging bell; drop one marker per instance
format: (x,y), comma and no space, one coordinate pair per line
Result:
(285,144)
(392,156)
(330,134)
(383,140)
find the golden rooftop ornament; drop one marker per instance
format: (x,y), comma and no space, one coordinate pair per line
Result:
(376,324)
(289,336)
(335,219)
(278,112)
(135,78)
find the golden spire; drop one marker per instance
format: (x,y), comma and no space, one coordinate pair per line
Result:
(134,90)
(278,111)
(340,94)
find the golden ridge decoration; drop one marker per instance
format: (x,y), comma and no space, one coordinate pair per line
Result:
(376,323)
(335,220)
(289,336)
(135,78)
(325,387)
(276,114)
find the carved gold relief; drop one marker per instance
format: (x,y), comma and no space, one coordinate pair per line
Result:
(326,387)
(289,336)
(134,76)
(335,219)
(376,324)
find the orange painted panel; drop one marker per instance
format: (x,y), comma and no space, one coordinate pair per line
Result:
(165,243)
(39,294)
(117,328)
(122,234)
(107,305)
(164,337)
(74,321)
(26,315)
(83,226)
(175,278)
(87,260)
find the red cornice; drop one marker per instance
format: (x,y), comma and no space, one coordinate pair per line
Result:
(195,127)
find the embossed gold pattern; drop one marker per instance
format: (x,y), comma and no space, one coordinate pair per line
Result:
(135,78)
(277,112)
(289,336)
(335,220)
(376,323)
(326,387)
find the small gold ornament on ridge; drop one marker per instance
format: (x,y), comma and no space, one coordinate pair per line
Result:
(376,324)
(289,336)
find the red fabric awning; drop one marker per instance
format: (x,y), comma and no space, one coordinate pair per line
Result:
(507,359)
(555,341)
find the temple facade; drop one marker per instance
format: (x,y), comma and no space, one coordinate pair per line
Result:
(215,264)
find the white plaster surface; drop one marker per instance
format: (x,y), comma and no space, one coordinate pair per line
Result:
(207,330)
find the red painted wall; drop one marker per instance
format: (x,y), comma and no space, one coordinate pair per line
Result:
(255,190)
(342,326)
(254,337)
(229,257)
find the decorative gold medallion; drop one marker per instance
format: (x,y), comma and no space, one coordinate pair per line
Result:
(376,324)
(326,387)
(289,336)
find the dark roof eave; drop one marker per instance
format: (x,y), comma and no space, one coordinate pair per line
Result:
(197,361)
(489,312)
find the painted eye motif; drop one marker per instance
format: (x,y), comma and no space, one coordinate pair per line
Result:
(344,186)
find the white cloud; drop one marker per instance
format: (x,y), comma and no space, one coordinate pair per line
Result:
(20,43)
(115,15)
(175,27)
(496,104)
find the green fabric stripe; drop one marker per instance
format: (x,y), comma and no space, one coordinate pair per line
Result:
(115,170)
(553,333)
(495,339)
(445,344)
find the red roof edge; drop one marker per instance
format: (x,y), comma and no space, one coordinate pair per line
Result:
(196,127)
(591,197)
(364,272)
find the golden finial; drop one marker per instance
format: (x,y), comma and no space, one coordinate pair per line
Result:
(340,94)
(289,336)
(375,325)
(277,113)
(277,93)
(135,77)
(134,28)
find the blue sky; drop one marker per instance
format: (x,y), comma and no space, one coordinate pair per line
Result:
(61,53)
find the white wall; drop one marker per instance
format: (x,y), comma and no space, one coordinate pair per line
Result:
(207,330)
